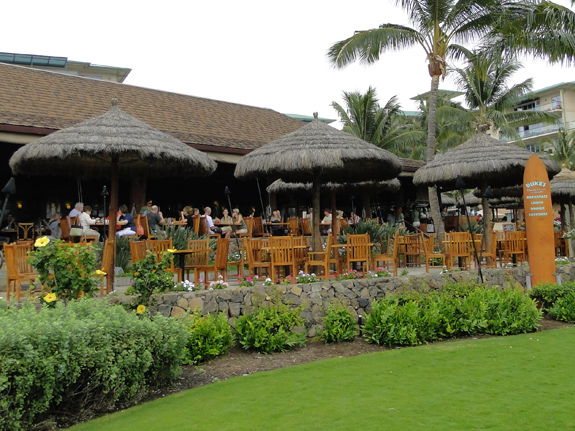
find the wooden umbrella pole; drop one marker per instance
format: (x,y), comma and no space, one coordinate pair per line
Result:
(333,214)
(114,184)
(316,215)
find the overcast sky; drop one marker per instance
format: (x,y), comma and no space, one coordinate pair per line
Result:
(262,53)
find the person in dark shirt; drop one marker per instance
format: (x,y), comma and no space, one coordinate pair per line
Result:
(126,222)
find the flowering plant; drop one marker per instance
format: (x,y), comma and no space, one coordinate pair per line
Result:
(306,278)
(247,282)
(185,285)
(351,275)
(268,282)
(287,280)
(218,284)
(235,256)
(68,270)
(379,272)
(570,234)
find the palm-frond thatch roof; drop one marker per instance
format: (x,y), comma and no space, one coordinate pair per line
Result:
(279,186)
(563,184)
(481,161)
(85,150)
(319,152)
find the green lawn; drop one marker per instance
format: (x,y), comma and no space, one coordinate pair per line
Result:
(522,382)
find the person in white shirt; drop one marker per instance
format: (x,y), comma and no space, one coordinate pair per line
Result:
(211,227)
(86,221)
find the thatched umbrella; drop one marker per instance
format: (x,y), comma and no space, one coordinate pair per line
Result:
(481,161)
(318,153)
(563,191)
(280,186)
(470,199)
(108,146)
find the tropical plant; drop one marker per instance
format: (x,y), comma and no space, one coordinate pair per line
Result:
(563,148)
(490,99)
(364,118)
(209,336)
(339,325)
(150,276)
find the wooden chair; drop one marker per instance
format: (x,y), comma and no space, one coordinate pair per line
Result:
(220,264)
(358,250)
(306,226)
(137,250)
(336,258)
(490,255)
(513,248)
(65,227)
(198,259)
(413,249)
(249,221)
(147,234)
(25,233)
(430,255)
(560,247)
(18,270)
(459,250)
(389,256)
(256,258)
(293,226)
(342,225)
(205,230)
(282,257)
(300,251)
(258,227)
(107,256)
(320,260)
(158,246)
(196,225)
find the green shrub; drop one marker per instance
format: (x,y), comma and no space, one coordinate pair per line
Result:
(151,276)
(339,325)
(123,255)
(271,328)
(564,308)
(461,289)
(80,358)
(547,293)
(209,336)
(411,319)
(66,269)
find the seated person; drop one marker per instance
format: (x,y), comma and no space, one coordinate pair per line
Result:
(276,218)
(226,218)
(353,219)
(125,222)
(325,221)
(210,222)
(78,208)
(9,224)
(86,221)
(155,219)
(238,220)
(146,209)
(54,224)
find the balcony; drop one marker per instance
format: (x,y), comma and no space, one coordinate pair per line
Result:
(553,106)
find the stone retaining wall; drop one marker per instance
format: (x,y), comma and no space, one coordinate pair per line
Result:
(356,295)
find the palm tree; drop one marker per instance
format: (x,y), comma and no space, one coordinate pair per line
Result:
(364,118)
(541,28)
(564,148)
(489,97)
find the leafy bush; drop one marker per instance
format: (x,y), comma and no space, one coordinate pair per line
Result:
(270,328)
(339,325)
(151,276)
(66,269)
(123,255)
(209,336)
(564,308)
(80,358)
(548,293)
(411,319)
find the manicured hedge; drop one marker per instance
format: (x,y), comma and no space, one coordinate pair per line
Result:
(86,356)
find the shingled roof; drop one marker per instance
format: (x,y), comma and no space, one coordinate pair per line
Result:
(38,102)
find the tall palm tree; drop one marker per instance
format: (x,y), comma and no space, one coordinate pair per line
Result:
(490,98)
(364,118)
(437,24)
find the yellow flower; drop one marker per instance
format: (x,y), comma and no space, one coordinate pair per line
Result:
(41,242)
(140,309)
(171,250)
(50,297)
(98,272)
(136,273)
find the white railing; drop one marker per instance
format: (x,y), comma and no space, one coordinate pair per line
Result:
(553,106)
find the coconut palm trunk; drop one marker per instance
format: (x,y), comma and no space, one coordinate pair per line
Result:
(431,147)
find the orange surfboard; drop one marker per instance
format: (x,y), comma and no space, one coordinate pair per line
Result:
(539,221)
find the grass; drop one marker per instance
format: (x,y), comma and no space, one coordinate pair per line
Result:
(521,382)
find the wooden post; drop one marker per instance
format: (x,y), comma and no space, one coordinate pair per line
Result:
(316,215)
(114,184)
